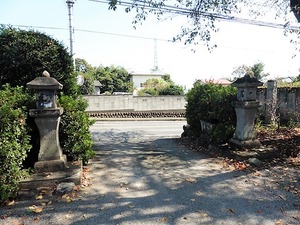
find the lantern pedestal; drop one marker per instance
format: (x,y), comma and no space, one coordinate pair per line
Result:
(50,158)
(245,135)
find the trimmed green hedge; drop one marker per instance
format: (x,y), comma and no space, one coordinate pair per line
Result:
(14,140)
(211,103)
(75,137)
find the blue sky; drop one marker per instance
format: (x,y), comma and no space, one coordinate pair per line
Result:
(237,43)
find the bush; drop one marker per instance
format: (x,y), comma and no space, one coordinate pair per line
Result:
(75,138)
(26,54)
(172,89)
(14,140)
(211,103)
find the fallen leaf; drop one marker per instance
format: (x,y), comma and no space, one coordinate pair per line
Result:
(240,165)
(259,211)
(257,174)
(191,180)
(231,210)
(3,217)
(131,206)
(199,193)
(278,222)
(35,209)
(69,199)
(39,197)
(11,203)
(282,197)
(64,196)
(164,219)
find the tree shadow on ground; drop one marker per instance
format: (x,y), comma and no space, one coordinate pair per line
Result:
(157,181)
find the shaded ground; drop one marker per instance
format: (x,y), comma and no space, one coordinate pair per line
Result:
(283,169)
(144,174)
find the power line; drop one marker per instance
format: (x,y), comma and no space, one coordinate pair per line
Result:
(90,31)
(187,11)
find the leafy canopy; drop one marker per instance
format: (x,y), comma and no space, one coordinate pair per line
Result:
(24,55)
(113,79)
(257,70)
(202,15)
(164,86)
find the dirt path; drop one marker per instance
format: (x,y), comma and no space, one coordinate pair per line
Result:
(142,175)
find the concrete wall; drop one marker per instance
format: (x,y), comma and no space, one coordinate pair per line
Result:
(283,100)
(112,103)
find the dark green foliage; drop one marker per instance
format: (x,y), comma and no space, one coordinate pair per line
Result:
(88,87)
(14,140)
(85,70)
(24,55)
(211,103)
(172,89)
(113,79)
(75,138)
(158,86)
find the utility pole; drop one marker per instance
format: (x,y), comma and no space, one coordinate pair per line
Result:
(71,28)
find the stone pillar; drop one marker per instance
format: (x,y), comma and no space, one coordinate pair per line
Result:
(271,102)
(47,118)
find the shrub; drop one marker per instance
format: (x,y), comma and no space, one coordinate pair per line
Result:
(26,54)
(172,89)
(211,103)
(14,140)
(75,138)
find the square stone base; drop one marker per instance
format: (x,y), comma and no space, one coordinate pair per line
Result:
(50,166)
(250,144)
(72,173)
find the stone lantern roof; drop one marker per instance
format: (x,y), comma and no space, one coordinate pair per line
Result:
(44,83)
(247,81)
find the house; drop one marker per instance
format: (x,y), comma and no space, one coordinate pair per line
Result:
(137,79)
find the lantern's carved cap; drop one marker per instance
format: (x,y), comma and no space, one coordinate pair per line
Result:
(44,83)
(247,81)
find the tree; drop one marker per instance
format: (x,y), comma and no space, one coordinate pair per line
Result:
(201,14)
(164,86)
(24,55)
(85,71)
(172,89)
(257,70)
(153,87)
(113,79)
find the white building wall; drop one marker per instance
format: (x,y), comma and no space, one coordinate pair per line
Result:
(138,79)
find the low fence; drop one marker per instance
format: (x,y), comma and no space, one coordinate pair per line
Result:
(129,106)
(278,100)
(273,100)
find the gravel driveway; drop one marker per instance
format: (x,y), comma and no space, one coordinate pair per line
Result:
(142,175)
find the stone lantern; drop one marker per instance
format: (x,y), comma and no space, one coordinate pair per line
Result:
(246,108)
(47,118)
